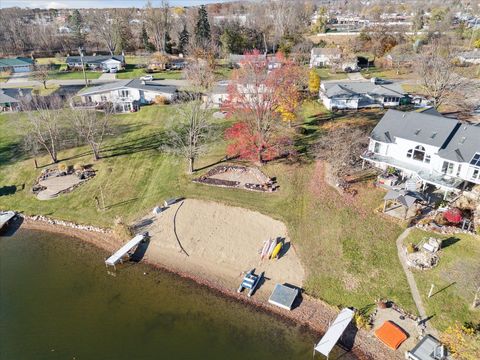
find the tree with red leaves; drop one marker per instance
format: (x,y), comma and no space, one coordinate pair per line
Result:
(255,97)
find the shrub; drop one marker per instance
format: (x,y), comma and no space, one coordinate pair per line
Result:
(122,230)
(362,321)
(78,167)
(160,100)
(411,248)
(62,167)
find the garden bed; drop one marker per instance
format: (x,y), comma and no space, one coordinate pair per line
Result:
(240,177)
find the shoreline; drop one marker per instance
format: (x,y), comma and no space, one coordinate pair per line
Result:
(312,313)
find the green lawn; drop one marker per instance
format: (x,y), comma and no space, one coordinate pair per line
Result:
(132,73)
(326,75)
(73,75)
(348,251)
(455,278)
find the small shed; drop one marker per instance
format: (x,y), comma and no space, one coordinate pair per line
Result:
(283,296)
(402,198)
(428,348)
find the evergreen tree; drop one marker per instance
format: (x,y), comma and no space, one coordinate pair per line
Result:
(147,45)
(183,40)
(202,31)
(75,22)
(168,43)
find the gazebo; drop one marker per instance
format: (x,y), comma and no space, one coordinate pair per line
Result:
(403,198)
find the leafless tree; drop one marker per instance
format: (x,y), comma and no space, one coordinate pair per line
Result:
(104,26)
(92,127)
(190,138)
(436,70)
(342,147)
(45,124)
(41,73)
(156,20)
(200,75)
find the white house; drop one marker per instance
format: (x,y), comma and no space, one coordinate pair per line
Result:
(427,147)
(353,95)
(323,57)
(219,93)
(97,62)
(127,95)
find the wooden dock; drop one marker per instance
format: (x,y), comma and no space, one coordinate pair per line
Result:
(5,217)
(125,250)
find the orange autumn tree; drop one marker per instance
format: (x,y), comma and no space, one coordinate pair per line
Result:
(256,99)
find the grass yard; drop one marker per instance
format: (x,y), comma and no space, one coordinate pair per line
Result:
(50,60)
(455,278)
(401,74)
(73,75)
(131,72)
(326,75)
(349,252)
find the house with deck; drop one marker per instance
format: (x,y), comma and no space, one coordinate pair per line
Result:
(95,62)
(354,95)
(427,148)
(127,95)
(16,65)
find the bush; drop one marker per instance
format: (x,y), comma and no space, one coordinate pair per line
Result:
(62,167)
(362,321)
(411,248)
(78,167)
(160,100)
(122,230)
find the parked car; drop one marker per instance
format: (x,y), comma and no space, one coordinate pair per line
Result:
(147,78)
(105,70)
(113,70)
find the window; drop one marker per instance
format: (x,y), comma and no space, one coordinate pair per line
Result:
(459,169)
(103,98)
(419,153)
(409,153)
(475,160)
(377,147)
(447,167)
(476,174)
(124,93)
(427,159)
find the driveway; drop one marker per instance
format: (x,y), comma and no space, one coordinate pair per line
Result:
(108,76)
(355,76)
(19,78)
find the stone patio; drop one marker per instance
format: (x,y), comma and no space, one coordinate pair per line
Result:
(56,185)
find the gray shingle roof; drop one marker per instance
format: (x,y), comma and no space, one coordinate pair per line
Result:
(463,144)
(132,84)
(425,348)
(423,128)
(359,88)
(98,59)
(14,94)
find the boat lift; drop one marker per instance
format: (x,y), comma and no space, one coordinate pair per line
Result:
(334,332)
(125,250)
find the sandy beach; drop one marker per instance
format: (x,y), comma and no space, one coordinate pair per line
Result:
(222,242)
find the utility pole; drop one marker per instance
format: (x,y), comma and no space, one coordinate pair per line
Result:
(83,66)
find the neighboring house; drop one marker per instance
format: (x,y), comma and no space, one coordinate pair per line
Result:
(11,98)
(323,57)
(470,57)
(127,95)
(219,93)
(97,62)
(236,60)
(395,60)
(427,147)
(355,95)
(16,65)
(428,348)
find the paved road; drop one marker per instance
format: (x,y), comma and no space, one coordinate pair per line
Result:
(412,283)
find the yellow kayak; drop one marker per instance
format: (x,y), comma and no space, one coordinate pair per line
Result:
(276,251)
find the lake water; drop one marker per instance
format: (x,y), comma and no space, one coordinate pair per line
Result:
(58,302)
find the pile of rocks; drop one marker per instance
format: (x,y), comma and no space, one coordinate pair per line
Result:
(422,260)
(68,224)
